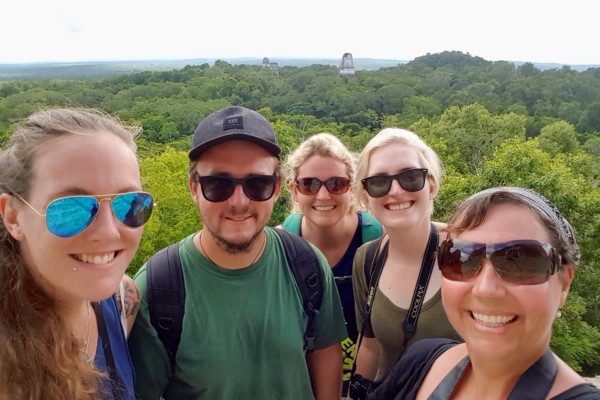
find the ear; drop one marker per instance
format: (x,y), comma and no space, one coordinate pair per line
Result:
(277,191)
(566,277)
(433,191)
(9,212)
(363,199)
(293,190)
(193,186)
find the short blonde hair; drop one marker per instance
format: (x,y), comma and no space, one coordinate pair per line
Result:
(388,136)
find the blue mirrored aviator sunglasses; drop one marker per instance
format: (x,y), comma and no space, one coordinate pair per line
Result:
(69,216)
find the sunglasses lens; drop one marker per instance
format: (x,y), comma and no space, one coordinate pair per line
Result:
(412,180)
(525,263)
(460,260)
(133,209)
(337,185)
(259,188)
(378,186)
(216,188)
(308,186)
(68,216)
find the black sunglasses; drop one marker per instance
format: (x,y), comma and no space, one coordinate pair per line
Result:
(411,180)
(520,262)
(219,188)
(334,185)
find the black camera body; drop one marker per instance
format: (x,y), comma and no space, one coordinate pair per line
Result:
(360,387)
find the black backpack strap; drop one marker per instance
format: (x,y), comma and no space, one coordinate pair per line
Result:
(309,278)
(372,249)
(166,297)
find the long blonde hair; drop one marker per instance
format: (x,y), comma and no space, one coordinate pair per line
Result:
(39,356)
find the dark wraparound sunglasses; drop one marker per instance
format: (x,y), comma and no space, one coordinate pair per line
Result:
(217,188)
(520,262)
(69,216)
(411,180)
(334,185)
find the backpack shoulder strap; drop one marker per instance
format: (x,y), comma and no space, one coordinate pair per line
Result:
(372,250)
(309,276)
(166,297)
(371,228)
(292,223)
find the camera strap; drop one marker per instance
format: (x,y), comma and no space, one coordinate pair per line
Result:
(409,325)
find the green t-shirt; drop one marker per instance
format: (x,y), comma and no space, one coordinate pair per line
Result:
(243,331)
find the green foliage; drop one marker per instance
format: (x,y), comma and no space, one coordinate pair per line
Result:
(573,339)
(558,137)
(491,123)
(175,215)
(473,132)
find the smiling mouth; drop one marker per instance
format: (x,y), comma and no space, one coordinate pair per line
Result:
(493,321)
(401,206)
(96,259)
(324,208)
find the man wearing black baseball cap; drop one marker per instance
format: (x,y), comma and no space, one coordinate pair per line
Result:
(244,322)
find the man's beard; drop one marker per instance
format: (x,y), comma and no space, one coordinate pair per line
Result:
(234,247)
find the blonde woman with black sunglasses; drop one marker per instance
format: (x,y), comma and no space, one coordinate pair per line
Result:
(399,176)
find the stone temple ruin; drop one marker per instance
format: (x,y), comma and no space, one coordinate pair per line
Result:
(347,65)
(271,66)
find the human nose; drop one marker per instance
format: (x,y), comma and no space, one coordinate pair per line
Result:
(239,196)
(323,193)
(105,223)
(395,187)
(487,282)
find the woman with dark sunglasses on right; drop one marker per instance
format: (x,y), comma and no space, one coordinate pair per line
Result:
(72,211)
(399,177)
(507,260)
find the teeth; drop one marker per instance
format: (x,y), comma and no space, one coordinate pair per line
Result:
(324,208)
(397,207)
(98,260)
(493,320)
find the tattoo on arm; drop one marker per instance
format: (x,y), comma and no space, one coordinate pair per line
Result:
(132,299)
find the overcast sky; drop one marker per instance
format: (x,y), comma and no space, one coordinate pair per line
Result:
(565,32)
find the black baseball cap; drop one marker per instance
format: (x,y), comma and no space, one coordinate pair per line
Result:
(233,123)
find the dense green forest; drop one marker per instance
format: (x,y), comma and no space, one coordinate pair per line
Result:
(492,123)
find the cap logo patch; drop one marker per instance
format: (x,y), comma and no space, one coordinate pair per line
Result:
(233,123)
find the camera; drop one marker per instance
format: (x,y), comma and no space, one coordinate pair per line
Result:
(360,387)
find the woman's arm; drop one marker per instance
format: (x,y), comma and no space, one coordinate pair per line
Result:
(367,357)
(128,302)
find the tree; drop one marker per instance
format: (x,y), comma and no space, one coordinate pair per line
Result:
(558,137)
(175,215)
(473,132)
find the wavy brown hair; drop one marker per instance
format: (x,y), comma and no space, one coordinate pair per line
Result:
(40,358)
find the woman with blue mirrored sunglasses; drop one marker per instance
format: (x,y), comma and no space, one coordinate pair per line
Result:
(69,216)
(62,329)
